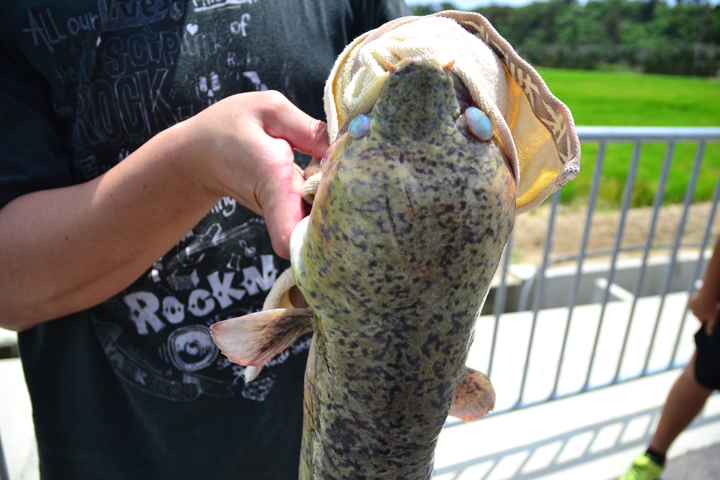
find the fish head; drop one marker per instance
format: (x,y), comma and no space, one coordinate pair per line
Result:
(417,102)
(409,174)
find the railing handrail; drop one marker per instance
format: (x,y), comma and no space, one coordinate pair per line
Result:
(648,134)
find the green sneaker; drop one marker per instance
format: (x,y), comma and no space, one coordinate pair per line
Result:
(643,468)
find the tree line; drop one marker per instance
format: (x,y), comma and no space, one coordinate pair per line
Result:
(649,36)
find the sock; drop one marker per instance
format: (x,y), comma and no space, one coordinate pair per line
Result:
(655,456)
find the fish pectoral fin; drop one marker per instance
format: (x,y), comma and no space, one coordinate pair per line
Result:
(257,338)
(474,397)
(251,373)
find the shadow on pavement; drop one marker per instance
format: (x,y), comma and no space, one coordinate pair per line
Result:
(561,452)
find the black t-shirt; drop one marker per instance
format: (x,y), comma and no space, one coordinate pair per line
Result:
(135,388)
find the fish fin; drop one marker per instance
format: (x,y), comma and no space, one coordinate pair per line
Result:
(251,373)
(297,241)
(311,187)
(278,296)
(475,396)
(257,338)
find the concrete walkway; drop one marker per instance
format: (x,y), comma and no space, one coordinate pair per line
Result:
(592,436)
(701,464)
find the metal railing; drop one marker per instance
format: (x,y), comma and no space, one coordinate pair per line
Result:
(4,475)
(537,283)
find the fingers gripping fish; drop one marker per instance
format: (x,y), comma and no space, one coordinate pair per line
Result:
(411,216)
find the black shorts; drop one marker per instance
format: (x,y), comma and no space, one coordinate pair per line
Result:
(707,363)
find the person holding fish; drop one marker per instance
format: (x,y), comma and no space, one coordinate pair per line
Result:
(148,189)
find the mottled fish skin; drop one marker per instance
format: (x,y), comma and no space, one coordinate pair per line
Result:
(405,235)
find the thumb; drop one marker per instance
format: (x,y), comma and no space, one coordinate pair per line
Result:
(300,130)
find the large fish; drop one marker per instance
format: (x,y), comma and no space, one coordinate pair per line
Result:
(395,259)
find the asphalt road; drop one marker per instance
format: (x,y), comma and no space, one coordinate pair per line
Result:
(698,465)
(703,464)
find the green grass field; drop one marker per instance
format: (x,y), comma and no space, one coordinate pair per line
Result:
(629,99)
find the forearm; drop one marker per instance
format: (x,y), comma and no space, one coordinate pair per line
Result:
(64,250)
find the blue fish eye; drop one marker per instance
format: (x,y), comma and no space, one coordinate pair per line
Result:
(479,123)
(359,126)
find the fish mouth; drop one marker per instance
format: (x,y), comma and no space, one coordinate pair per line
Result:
(435,72)
(418,98)
(462,93)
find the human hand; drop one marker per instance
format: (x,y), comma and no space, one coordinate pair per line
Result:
(100,236)
(247,153)
(706,309)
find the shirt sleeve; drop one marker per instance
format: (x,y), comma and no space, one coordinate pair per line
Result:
(33,156)
(370,14)
(392,9)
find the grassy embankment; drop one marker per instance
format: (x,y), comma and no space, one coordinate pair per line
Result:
(629,99)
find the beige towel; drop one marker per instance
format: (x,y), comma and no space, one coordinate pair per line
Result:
(533,127)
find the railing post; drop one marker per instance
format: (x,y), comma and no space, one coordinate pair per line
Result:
(627,196)
(4,475)
(657,203)
(689,193)
(539,286)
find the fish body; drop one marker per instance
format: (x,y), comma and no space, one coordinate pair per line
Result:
(395,260)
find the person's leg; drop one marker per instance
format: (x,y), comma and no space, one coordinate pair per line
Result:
(686,399)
